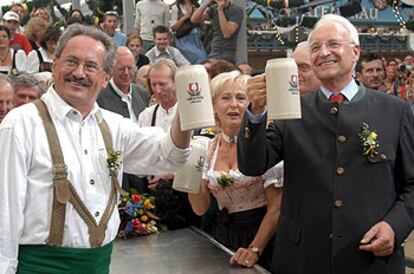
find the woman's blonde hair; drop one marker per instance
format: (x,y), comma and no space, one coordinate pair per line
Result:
(33,22)
(225,79)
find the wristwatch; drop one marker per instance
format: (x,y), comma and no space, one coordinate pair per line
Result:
(255,250)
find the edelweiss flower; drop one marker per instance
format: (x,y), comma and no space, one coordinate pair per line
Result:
(368,141)
(114,161)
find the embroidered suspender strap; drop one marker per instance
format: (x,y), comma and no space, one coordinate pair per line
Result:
(96,232)
(64,190)
(60,183)
(108,145)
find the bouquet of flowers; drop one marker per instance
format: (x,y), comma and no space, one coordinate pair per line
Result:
(137,217)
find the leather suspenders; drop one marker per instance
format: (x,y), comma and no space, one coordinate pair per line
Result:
(64,192)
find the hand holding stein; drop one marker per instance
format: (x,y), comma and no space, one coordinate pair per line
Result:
(277,89)
(282,86)
(194,97)
(256,91)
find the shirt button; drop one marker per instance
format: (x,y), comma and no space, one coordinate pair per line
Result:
(92,181)
(74,112)
(86,151)
(97,214)
(339,203)
(334,110)
(331,236)
(341,139)
(340,171)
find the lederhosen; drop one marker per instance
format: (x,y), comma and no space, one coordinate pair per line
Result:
(53,258)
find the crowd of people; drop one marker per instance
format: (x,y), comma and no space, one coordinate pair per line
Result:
(293,196)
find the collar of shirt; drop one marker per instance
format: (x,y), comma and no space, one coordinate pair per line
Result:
(348,91)
(61,109)
(170,110)
(119,92)
(158,53)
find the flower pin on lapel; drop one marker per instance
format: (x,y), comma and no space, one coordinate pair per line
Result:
(114,161)
(368,141)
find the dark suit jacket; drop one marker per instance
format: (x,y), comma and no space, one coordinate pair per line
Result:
(110,100)
(326,210)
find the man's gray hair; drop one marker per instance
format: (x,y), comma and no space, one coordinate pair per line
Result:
(329,18)
(167,62)
(303,44)
(4,79)
(27,81)
(92,32)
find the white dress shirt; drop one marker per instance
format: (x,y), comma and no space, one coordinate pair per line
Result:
(349,91)
(19,61)
(170,53)
(33,62)
(127,98)
(163,119)
(26,171)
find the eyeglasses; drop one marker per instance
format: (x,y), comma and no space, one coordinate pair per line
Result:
(129,69)
(330,44)
(88,67)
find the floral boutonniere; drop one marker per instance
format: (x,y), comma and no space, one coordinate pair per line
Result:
(209,132)
(368,140)
(114,161)
(224,179)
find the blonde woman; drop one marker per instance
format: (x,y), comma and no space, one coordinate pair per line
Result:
(249,206)
(35,29)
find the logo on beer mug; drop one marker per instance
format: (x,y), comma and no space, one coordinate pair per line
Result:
(294,84)
(293,81)
(194,89)
(200,164)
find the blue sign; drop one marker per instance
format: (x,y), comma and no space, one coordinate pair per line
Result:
(374,12)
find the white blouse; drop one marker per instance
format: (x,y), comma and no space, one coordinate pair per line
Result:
(19,60)
(33,62)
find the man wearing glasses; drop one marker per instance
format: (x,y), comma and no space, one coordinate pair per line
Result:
(61,158)
(348,197)
(124,97)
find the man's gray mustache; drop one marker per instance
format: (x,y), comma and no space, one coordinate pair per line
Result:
(80,81)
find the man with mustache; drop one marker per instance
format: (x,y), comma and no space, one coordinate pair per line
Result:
(348,196)
(370,71)
(62,160)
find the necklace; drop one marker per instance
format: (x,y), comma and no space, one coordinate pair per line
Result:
(229,139)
